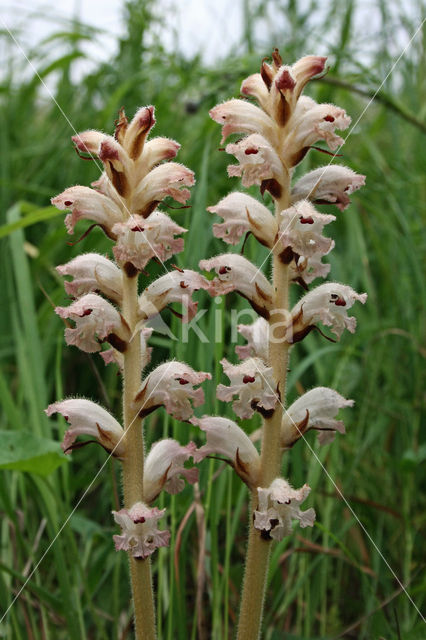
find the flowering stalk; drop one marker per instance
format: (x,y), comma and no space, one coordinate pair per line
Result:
(107,308)
(278,134)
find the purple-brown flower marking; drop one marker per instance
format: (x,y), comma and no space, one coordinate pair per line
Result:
(327,304)
(243,214)
(176,286)
(226,438)
(92,273)
(331,184)
(88,418)
(139,532)
(171,385)
(164,468)
(111,355)
(252,381)
(96,320)
(315,409)
(236,273)
(278,506)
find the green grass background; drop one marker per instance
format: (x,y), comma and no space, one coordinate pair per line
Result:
(328,582)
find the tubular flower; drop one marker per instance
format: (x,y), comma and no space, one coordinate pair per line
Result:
(226,438)
(257,336)
(164,467)
(94,316)
(333,183)
(171,385)
(92,272)
(86,203)
(165,180)
(175,286)
(278,505)
(316,409)
(252,381)
(140,534)
(300,232)
(258,160)
(328,304)
(88,418)
(236,273)
(243,214)
(239,116)
(157,150)
(140,239)
(313,122)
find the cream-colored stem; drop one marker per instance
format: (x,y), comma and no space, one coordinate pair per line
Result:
(140,570)
(258,550)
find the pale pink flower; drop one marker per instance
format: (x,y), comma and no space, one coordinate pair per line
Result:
(255,86)
(300,232)
(236,273)
(258,160)
(253,382)
(92,272)
(328,184)
(239,116)
(277,506)
(171,385)
(154,152)
(226,438)
(310,123)
(89,141)
(140,239)
(167,179)
(327,304)
(95,320)
(304,270)
(164,468)
(175,286)
(243,214)
(315,409)
(88,418)
(86,203)
(140,534)
(257,336)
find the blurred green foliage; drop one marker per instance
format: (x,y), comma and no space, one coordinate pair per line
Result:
(338,580)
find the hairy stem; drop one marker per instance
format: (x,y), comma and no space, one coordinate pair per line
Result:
(258,549)
(140,570)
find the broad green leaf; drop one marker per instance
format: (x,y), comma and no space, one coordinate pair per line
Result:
(23,451)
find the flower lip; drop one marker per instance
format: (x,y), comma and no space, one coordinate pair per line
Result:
(140,534)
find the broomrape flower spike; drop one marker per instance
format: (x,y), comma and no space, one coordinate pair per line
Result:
(107,307)
(279,127)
